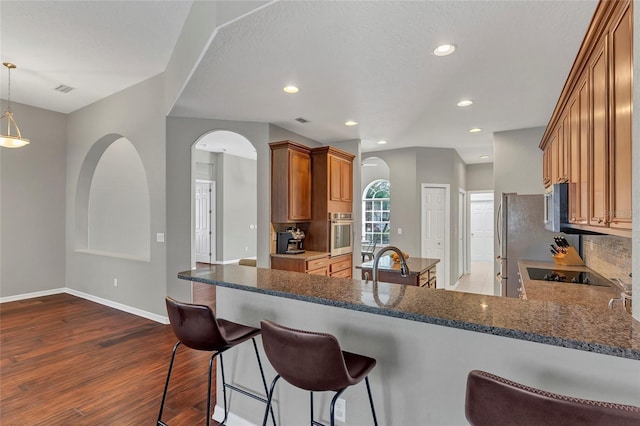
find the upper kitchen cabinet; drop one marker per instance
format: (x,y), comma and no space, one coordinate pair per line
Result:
(588,139)
(290,182)
(332,181)
(621,67)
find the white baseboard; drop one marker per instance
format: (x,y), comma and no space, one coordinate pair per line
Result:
(32,295)
(130,309)
(232,419)
(110,303)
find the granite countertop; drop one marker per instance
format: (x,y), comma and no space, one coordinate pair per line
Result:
(604,331)
(596,297)
(307,255)
(416,265)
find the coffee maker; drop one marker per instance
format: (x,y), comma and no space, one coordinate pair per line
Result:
(290,241)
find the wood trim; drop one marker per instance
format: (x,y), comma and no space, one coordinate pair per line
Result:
(598,26)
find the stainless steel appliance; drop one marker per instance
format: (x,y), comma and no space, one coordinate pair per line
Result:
(341,233)
(290,241)
(521,235)
(556,207)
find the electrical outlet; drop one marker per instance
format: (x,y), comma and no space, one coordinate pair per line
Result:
(340,410)
(115,282)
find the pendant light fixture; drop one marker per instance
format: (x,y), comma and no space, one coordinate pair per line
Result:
(8,140)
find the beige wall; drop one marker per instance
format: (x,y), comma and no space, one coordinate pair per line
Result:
(479,177)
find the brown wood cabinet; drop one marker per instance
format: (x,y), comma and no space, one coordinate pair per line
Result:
(315,266)
(426,278)
(332,179)
(332,183)
(290,182)
(340,266)
(621,68)
(340,179)
(588,140)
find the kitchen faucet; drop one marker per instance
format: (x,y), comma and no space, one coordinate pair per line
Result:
(404,269)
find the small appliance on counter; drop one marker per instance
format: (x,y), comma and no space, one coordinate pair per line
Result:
(290,241)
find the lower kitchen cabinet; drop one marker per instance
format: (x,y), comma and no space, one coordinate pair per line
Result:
(310,263)
(340,266)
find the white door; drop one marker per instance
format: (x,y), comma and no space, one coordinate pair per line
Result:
(481,224)
(434,211)
(203,229)
(462,214)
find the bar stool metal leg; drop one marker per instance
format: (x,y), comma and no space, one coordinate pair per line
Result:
(311,405)
(269,396)
(166,385)
(264,381)
(373,410)
(333,404)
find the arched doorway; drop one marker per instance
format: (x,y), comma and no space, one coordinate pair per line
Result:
(224,219)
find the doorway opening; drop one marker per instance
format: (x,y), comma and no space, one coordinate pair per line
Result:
(224,197)
(480,236)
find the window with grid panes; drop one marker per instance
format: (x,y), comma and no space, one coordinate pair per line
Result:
(375,212)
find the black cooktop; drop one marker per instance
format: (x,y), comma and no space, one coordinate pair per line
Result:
(573,277)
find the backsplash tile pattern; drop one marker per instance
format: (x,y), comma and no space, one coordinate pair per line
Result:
(607,255)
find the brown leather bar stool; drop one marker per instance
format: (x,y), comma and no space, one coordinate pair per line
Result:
(492,400)
(197,327)
(313,362)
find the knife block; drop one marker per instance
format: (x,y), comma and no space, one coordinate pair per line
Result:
(570,258)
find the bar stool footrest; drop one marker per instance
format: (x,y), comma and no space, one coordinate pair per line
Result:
(244,392)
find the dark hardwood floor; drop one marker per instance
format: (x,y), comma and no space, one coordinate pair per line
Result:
(68,361)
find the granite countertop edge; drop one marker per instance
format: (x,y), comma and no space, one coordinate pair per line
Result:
(463,325)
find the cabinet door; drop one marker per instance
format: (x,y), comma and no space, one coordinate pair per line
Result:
(574,160)
(346,184)
(299,186)
(340,179)
(546,172)
(620,142)
(555,155)
(583,97)
(564,146)
(335,185)
(599,142)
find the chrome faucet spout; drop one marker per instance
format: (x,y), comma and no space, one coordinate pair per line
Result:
(404,269)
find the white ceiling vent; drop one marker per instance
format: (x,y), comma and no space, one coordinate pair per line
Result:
(302,120)
(64,89)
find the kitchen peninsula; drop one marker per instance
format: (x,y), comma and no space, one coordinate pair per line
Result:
(427,340)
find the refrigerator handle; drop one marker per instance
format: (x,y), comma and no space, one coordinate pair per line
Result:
(499,223)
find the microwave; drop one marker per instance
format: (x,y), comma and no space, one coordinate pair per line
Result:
(556,207)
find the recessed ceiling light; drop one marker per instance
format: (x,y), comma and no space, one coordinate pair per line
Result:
(475,130)
(291,89)
(464,103)
(484,157)
(444,50)
(381,142)
(351,123)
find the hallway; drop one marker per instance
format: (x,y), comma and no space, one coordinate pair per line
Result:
(479,281)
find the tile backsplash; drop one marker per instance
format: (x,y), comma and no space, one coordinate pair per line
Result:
(607,255)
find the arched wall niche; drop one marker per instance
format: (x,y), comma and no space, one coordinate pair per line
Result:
(112,206)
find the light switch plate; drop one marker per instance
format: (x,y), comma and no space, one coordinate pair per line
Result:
(160,237)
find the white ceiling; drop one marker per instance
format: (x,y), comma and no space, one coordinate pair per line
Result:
(367,61)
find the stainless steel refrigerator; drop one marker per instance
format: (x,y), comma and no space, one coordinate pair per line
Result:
(521,235)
